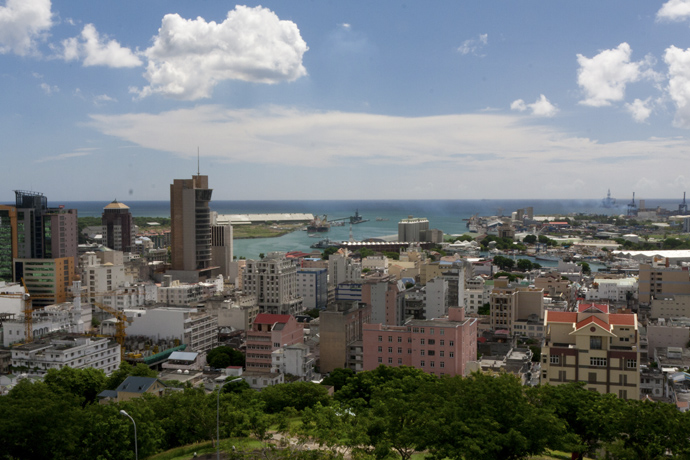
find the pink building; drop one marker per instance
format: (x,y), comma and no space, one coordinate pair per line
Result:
(438,346)
(268,333)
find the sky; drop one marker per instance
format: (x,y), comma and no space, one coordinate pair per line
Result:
(345,99)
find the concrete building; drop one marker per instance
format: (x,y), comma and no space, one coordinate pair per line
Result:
(118,227)
(65,318)
(237,313)
(67,350)
(612,290)
(8,241)
(191,228)
(662,281)
(270,332)
(342,269)
(348,292)
(410,229)
(672,306)
(510,304)
(273,280)
(341,326)
(295,360)
(312,287)
(47,280)
(555,286)
(387,299)
(221,250)
(177,293)
(199,331)
(441,346)
(593,346)
(436,302)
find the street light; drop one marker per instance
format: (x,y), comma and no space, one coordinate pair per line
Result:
(218,413)
(136,451)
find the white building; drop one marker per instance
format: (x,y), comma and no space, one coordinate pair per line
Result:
(197,330)
(177,293)
(72,351)
(411,229)
(273,280)
(295,360)
(13,302)
(342,269)
(379,263)
(613,290)
(64,317)
(436,298)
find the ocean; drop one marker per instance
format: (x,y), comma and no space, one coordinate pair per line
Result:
(446,215)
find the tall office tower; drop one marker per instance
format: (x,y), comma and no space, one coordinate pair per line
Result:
(221,248)
(118,227)
(43,232)
(48,280)
(191,226)
(8,240)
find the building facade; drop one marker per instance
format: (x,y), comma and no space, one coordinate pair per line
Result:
(270,332)
(312,287)
(439,346)
(340,329)
(659,281)
(118,227)
(593,346)
(47,280)
(273,280)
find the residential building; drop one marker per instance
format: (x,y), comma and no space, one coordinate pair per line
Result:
(199,331)
(442,346)
(556,287)
(177,293)
(295,360)
(670,306)
(66,317)
(436,301)
(134,387)
(386,297)
(342,269)
(273,280)
(47,280)
(191,228)
(511,303)
(348,292)
(118,227)
(612,290)
(340,331)
(270,332)
(662,281)
(312,287)
(67,350)
(237,313)
(593,346)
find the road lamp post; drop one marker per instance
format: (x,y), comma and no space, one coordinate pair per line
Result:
(136,450)
(218,413)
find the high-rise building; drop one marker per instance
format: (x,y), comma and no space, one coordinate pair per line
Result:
(47,280)
(8,240)
(273,280)
(118,227)
(191,227)
(221,249)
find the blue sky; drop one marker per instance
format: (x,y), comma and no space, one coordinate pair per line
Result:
(345,100)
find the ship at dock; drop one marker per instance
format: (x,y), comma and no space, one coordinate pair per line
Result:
(319,224)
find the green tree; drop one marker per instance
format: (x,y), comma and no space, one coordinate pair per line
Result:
(530,239)
(298,395)
(365,252)
(359,389)
(338,378)
(328,252)
(392,255)
(224,356)
(484,309)
(586,269)
(82,383)
(524,265)
(504,263)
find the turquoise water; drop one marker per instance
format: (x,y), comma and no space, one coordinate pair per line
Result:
(446,215)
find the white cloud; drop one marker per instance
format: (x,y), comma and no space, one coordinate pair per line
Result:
(603,78)
(678,61)
(98,51)
(473,45)
(190,57)
(674,10)
(49,89)
(98,100)
(540,108)
(345,25)
(639,109)
(65,156)
(22,24)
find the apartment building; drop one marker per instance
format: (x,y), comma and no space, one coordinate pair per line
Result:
(593,346)
(386,297)
(273,280)
(67,350)
(511,304)
(441,346)
(342,269)
(312,287)
(199,331)
(660,281)
(270,332)
(340,330)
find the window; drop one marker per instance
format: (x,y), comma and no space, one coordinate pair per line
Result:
(441,353)
(443,342)
(597,362)
(409,351)
(380,338)
(409,340)
(431,352)
(431,330)
(422,363)
(380,349)
(432,342)
(399,339)
(631,363)
(390,338)
(592,377)
(555,360)
(390,349)
(422,341)
(390,360)
(380,359)
(421,329)
(422,352)
(432,364)
(399,350)
(442,363)
(451,343)
(415,329)
(399,361)
(451,354)
(595,343)
(441,331)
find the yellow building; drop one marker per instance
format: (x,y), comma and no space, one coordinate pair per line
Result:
(593,346)
(658,281)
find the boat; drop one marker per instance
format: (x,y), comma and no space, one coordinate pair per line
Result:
(381,219)
(546,258)
(357,219)
(319,225)
(325,243)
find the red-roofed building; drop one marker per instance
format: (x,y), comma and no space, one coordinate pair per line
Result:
(593,346)
(269,332)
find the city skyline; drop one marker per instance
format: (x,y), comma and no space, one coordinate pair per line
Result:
(345,101)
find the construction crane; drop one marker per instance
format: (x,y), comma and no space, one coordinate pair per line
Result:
(28,311)
(120,326)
